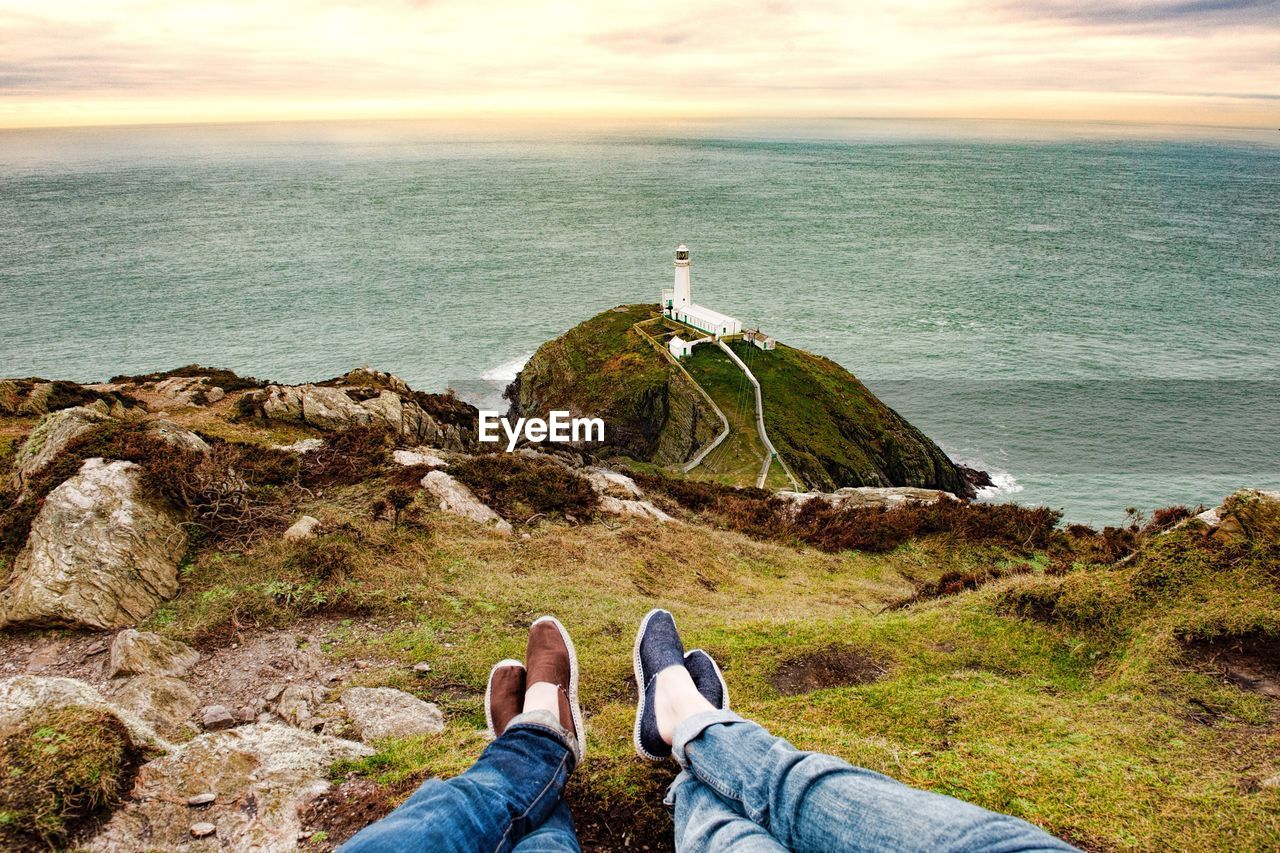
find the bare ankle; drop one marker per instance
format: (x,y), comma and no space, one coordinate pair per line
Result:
(676,698)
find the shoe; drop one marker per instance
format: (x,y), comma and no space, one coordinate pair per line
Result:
(657,647)
(504,696)
(551,657)
(707,678)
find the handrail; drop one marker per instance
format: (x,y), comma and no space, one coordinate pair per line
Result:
(724,422)
(764,436)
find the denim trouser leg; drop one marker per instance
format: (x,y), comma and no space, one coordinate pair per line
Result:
(707,823)
(814,802)
(512,788)
(556,835)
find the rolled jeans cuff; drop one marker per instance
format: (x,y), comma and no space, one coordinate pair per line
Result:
(549,722)
(694,726)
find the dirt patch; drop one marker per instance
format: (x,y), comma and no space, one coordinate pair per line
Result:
(1249,661)
(637,821)
(830,667)
(342,811)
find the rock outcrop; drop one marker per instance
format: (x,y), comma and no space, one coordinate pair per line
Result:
(22,694)
(98,555)
(456,498)
(176,435)
(383,712)
(49,438)
(364,397)
(260,776)
(1245,515)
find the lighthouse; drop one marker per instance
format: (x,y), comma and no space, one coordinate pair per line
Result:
(677,303)
(680,295)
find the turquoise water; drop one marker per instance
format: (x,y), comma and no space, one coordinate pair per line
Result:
(1094,312)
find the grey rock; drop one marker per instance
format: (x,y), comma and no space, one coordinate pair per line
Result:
(49,438)
(612,483)
(98,554)
(214,394)
(869,496)
(178,436)
(202,829)
(306,445)
(22,694)
(162,700)
(384,712)
(637,509)
(418,456)
(296,704)
(275,767)
(202,799)
(144,653)
(303,528)
(216,717)
(456,498)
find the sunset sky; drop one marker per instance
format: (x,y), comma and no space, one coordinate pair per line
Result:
(71,62)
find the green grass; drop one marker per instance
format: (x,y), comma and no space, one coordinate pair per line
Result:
(1083,719)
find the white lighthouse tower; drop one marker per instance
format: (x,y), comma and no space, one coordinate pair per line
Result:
(680,296)
(677,303)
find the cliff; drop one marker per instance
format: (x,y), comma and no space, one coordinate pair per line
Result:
(828,427)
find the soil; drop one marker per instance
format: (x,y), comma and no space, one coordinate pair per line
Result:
(345,809)
(830,667)
(1249,661)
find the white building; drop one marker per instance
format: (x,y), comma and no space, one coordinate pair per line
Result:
(679,346)
(679,305)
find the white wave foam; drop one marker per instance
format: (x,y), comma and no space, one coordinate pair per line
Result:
(1002,483)
(507,371)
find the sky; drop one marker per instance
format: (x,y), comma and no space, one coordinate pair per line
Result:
(84,62)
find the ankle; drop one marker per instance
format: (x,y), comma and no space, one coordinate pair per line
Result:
(676,698)
(542,696)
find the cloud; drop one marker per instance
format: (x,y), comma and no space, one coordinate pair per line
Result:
(202,59)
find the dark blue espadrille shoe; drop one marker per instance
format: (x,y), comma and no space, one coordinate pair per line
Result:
(657,647)
(707,678)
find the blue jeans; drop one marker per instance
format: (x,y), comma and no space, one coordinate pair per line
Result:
(743,789)
(510,799)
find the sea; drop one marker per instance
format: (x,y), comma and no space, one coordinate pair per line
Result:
(1091,312)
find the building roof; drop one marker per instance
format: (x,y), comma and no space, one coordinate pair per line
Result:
(707,314)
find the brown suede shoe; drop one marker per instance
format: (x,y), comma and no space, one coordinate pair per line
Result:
(504,697)
(551,657)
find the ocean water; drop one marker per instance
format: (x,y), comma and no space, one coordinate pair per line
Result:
(1091,312)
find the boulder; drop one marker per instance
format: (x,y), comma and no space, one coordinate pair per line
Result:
(164,701)
(98,555)
(176,392)
(296,704)
(49,438)
(609,483)
(216,717)
(144,653)
(383,712)
(303,528)
(214,394)
(23,694)
(1257,512)
(176,435)
(456,498)
(261,776)
(314,405)
(418,456)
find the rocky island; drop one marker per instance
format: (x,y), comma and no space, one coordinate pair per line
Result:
(247,615)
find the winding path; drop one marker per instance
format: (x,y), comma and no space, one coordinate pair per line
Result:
(764,436)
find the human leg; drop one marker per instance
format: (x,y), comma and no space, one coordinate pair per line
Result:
(516,784)
(555,835)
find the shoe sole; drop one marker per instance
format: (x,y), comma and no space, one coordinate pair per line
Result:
(579,729)
(724,688)
(488,694)
(640,686)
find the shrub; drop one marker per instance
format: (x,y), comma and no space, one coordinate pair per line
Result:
(324,557)
(58,768)
(225,379)
(348,456)
(519,488)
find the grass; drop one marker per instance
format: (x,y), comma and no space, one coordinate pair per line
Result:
(1081,718)
(58,768)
